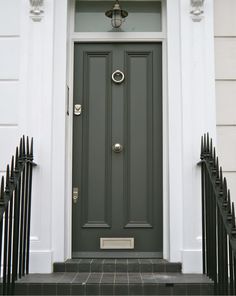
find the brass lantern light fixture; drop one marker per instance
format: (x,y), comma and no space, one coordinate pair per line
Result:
(117,15)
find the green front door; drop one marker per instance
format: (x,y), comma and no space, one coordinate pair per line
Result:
(119,205)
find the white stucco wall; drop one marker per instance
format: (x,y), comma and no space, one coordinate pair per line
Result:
(33,97)
(225,48)
(10,78)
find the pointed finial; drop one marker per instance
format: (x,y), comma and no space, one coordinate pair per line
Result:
(233,216)
(217,167)
(21,150)
(208,143)
(8,179)
(23,146)
(202,149)
(32,147)
(27,146)
(221,175)
(214,156)
(229,202)
(204,142)
(2,191)
(225,201)
(16,158)
(12,169)
(211,148)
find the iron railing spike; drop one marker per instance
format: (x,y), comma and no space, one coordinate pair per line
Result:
(16,157)
(204,142)
(217,167)
(202,148)
(8,178)
(23,144)
(233,215)
(21,149)
(12,169)
(211,148)
(229,202)
(27,146)
(225,185)
(32,147)
(225,193)
(208,143)
(214,156)
(221,175)
(2,190)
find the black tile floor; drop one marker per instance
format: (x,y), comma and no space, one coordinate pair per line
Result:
(115,277)
(109,283)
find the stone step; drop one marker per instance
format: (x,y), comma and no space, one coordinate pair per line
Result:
(117,265)
(107,283)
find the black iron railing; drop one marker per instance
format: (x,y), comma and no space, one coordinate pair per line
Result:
(15,214)
(218,223)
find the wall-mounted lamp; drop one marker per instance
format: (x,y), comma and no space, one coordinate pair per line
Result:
(36,11)
(197,10)
(116,14)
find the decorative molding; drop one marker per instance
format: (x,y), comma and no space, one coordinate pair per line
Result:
(197,10)
(36,12)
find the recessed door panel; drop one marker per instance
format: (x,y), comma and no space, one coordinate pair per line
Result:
(96,133)
(139,140)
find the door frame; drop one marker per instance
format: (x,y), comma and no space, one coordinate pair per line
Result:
(98,37)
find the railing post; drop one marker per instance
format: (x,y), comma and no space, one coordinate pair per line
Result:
(15,207)
(218,219)
(30,159)
(203,208)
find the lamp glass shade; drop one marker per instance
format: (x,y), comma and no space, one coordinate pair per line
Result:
(116,20)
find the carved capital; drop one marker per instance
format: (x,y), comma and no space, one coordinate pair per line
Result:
(197,10)
(36,12)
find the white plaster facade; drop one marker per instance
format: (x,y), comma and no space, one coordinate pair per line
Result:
(225,59)
(35,71)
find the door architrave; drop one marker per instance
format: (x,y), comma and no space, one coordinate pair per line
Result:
(111,37)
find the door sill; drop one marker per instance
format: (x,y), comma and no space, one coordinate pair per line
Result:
(121,254)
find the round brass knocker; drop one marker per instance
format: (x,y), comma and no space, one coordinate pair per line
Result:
(116,74)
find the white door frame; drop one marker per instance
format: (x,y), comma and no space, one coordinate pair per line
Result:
(189,66)
(119,37)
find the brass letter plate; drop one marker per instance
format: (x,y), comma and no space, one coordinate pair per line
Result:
(116,243)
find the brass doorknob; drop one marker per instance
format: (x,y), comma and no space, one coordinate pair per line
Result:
(117,148)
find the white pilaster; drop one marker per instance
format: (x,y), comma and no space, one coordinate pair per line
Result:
(198,107)
(38,114)
(59,132)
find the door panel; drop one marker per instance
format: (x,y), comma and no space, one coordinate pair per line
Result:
(96,133)
(139,141)
(120,193)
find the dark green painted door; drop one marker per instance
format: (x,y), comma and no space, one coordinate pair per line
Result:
(120,194)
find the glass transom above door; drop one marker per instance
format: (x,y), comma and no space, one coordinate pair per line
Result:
(144,16)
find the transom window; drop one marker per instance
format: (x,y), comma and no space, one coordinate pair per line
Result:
(144,16)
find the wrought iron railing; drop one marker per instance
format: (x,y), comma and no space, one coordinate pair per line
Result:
(218,223)
(15,214)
